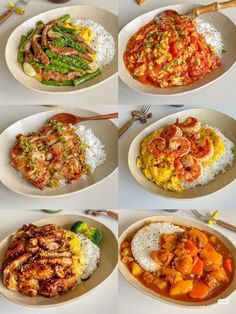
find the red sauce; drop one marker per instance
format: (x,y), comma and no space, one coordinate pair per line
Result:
(169,52)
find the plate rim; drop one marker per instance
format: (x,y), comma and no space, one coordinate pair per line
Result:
(58,92)
(173,193)
(4,182)
(76,299)
(136,89)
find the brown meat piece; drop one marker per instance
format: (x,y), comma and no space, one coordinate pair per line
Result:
(55,76)
(39,53)
(83,43)
(69,52)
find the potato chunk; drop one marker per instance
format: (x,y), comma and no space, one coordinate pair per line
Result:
(212,260)
(181,287)
(136,269)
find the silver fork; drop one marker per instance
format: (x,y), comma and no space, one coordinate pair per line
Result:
(9,12)
(136,115)
(206,218)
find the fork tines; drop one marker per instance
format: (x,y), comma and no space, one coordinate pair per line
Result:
(145,108)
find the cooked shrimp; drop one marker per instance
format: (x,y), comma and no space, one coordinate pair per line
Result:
(190,125)
(171,131)
(202,149)
(179,146)
(157,146)
(187,168)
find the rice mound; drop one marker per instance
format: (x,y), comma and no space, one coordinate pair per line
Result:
(95,150)
(220,165)
(147,239)
(91,254)
(102,41)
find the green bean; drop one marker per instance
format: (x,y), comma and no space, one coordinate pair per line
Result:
(55,83)
(59,28)
(28,38)
(20,55)
(39,23)
(77,46)
(60,42)
(66,65)
(64,18)
(76,60)
(49,67)
(86,77)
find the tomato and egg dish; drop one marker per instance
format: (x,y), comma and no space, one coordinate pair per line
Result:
(169,52)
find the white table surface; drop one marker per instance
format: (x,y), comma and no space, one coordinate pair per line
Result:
(102,300)
(220,92)
(132,195)
(12,92)
(132,301)
(96,197)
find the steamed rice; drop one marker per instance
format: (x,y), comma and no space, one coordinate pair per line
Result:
(102,41)
(212,36)
(221,164)
(95,150)
(146,240)
(91,255)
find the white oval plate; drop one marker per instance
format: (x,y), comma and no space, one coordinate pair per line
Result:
(105,18)
(105,130)
(108,262)
(221,22)
(185,222)
(224,123)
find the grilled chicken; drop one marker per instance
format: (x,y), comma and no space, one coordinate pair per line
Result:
(52,154)
(39,261)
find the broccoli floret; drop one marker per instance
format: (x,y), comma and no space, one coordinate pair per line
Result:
(79,227)
(95,235)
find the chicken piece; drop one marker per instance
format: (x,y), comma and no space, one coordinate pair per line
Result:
(198,237)
(8,274)
(220,275)
(15,249)
(49,243)
(54,287)
(127,260)
(210,281)
(212,260)
(172,275)
(181,287)
(163,257)
(32,245)
(19,162)
(126,252)
(28,287)
(70,171)
(148,278)
(60,271)
(168,241)
(184,264)
(161,283)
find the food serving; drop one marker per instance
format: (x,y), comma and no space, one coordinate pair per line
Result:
(184,155)
(178,262)
(63,52)
(50,260)
(56,154)
(173,50)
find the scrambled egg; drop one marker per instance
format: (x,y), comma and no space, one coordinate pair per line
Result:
(77,256)
(218,144)
(85,32)
(160,170)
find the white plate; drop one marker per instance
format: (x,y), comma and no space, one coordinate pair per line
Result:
(108,261)
(185,222)
(224,123)
(221,22)
(106,19)
(105,130)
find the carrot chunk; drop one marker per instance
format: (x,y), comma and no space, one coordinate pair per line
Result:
(191,247)
(228,265)
(200,290)
(198,267)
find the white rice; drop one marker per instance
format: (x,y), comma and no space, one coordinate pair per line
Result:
(95,152)
(91,254)
(212,36)
(221,164)
(146,240)
(102,41)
